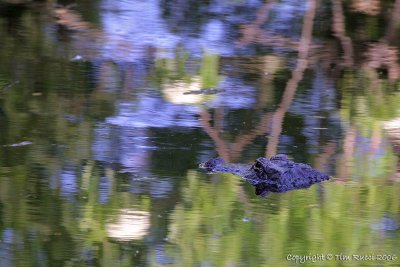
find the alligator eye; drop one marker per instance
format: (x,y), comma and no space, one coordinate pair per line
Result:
(258,165)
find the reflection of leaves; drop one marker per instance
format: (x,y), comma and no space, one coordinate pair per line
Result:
(371,7)
(167,69)
(207,226)
(382,54)
(170,70)
(365,103)
(365,106)
(72,20)
(209,71)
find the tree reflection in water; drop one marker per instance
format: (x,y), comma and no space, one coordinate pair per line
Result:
(106,109)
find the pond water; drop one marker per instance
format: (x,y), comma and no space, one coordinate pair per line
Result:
(107,108)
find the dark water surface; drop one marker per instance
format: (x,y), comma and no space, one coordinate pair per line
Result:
(107,108)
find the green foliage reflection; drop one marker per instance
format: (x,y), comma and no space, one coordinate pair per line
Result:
(216,224)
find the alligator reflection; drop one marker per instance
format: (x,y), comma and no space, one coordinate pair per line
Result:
(277,174)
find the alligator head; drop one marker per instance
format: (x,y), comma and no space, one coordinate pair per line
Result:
(277,174)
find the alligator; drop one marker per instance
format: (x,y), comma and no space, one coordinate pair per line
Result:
(277,174)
